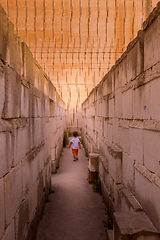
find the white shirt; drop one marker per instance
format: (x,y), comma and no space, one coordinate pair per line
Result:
(75,142)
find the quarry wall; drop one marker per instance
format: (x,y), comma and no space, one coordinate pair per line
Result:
(121,122)
(31,135)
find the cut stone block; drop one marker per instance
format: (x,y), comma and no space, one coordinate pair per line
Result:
(6,152)
(21,220)
(93,162)
(92,176)
(13,192)
(136,144)
(2,218)
(134,226)
(12,107)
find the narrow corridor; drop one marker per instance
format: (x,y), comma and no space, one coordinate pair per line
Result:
(75,211)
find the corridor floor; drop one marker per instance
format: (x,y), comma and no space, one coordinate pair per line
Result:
(75,211)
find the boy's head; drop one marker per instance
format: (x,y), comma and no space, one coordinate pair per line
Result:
(75,134)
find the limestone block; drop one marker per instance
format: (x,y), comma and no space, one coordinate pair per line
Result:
(14,51)
(105,128)
(110,132)
(128,171)
(154,100)
(40,186)
(136,144)
(21,220)
(24,101)
(13,192)
(2,91)
(37,131)
(152,151)
(28,64)
(144,193)
(115,132)
(10,232)
(134,226)
(32,201)
(111,107)
(151,44)
(127,104)
(115,162)
(22,147)
(123,71)
(100,91)
(105,107)
(124,139)
(2,218)
(47,110)
(5,26)
(118,103)
(155,211)
(142,102)
(6,152)
(31,170)
(92,176)
(93,162)
(12,107)
(134,59)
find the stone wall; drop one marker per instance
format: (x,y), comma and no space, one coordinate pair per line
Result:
(31,113)
(121,120)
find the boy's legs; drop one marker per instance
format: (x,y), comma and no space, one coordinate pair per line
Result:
(74,154)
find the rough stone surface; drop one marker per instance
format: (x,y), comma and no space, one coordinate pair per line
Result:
(132,224)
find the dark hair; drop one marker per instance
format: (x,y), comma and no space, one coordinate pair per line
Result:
(75,134)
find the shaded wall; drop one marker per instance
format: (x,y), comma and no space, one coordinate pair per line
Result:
(27,100)
(121,120)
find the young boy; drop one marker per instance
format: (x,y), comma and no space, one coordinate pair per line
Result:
(75,143)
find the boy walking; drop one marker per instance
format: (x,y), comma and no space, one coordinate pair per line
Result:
(75,143)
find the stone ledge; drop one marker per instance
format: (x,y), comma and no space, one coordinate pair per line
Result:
(129,225)
(132,201)
(104,162)
(152,17)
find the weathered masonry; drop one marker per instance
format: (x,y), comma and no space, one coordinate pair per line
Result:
(31,135)
(122,123)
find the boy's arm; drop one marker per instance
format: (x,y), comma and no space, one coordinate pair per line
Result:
(79,145)
(70,144)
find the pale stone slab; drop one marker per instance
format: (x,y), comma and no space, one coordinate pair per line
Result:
(144,193)
(12,107)
(13,192)
(136,144)
(127,104)
(93,162)
(6,152)
(111,107)
(10,232)
(2,90)
(129,225)
(118,103)
(32,201)
(24,101)
(2,204)
(128,171)
(22,141)
(124,139)
(21,220)
(152,151)
(155,98)
(142,102)
(151,44)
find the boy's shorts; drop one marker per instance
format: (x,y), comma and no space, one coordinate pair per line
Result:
(74,151)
